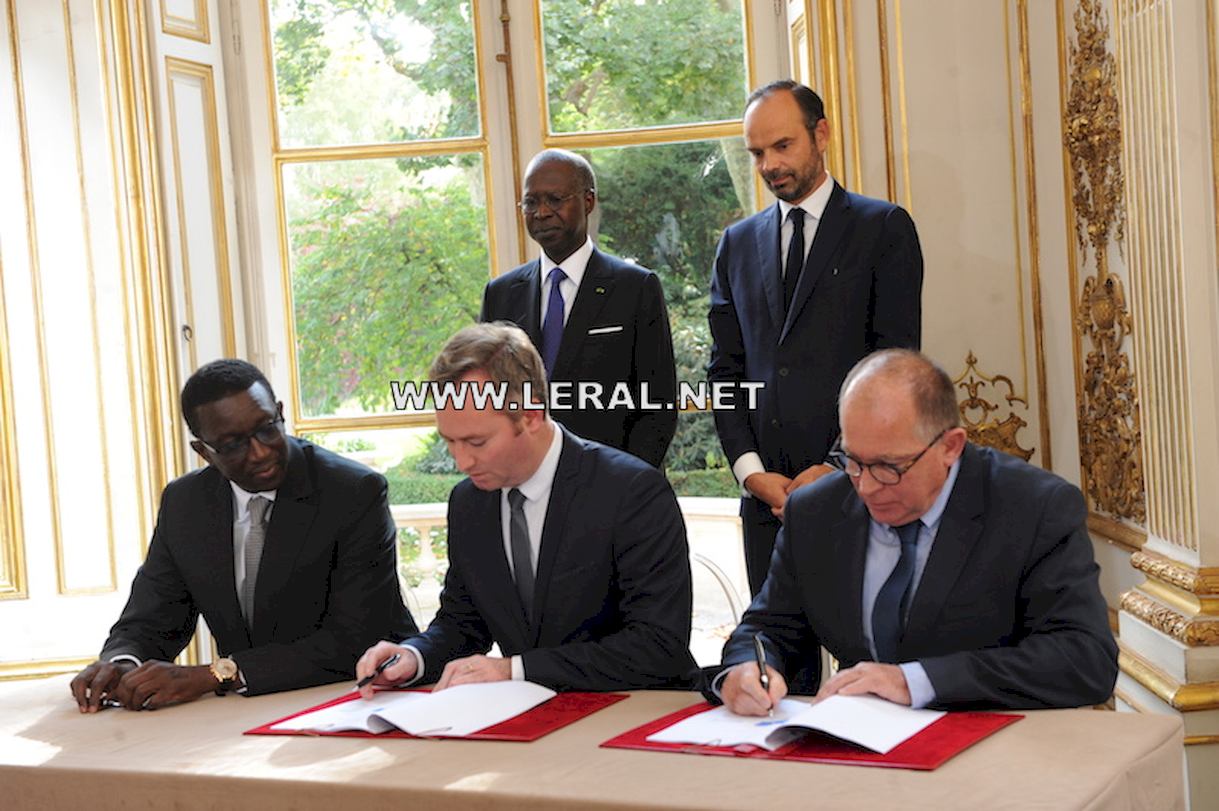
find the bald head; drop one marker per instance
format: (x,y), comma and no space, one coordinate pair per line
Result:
(581,169)
(907,381)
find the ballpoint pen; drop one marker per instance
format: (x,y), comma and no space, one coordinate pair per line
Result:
(763,676)
(390,662)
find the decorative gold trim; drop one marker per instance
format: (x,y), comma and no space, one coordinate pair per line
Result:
(505,59)
(901,104)
(1191,605)
(197,29)
(40,668)
(1193,631)
(831,86)
(91,283)
(393,420)
(1125,697)
(797,33)
(1212,68)
(886,91)
(176,68)
(31,235)
(1127,537)
(985,429)
(848,34)
(1034,229)
(1183,576)
(1201,740)
(751,65)
(647,136)
(1183,697)
(1109,423)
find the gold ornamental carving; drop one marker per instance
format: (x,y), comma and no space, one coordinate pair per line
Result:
(1192,631)
(1194,581)
(1109,423)
(978,413)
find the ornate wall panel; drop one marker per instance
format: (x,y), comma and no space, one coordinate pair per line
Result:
(185,18)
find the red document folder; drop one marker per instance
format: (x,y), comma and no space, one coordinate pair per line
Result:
(558,712)
(950,735)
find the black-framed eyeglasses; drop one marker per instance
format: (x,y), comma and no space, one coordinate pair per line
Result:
(884,472)
(266,433)
(532,205)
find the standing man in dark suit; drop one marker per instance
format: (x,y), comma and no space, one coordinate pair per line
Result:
(800,292)
(568,554)
(938,573)
(593,317)
(287,550)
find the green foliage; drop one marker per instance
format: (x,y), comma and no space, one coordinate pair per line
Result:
(435,457)
(378,285)
(715,483)
(409,487)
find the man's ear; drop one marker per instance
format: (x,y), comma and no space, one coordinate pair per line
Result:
(821,134)
(954,443)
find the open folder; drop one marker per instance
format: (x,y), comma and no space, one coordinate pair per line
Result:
(927,749)
(498,711)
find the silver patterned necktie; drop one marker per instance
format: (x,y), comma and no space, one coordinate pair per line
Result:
(254,540)
(522,551)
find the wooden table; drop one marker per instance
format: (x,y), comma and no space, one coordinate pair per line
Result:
(194,756)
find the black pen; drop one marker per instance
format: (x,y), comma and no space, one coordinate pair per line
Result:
(367,680)
(763,676)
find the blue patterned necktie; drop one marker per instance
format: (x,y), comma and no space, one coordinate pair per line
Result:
(552,329)
(890,607)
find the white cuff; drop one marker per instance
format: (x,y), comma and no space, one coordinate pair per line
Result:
(921,691)
(746,465)
(518,668)
(419,667)
(125,657)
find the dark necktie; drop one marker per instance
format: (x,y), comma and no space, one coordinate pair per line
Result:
(889,611)
(254,540)
(795,256)
(552,329)
(522,553)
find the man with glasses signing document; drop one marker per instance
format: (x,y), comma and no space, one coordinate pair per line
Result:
(286,549)
(938,573)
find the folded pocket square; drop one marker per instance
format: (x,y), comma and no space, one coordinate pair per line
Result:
(604,330)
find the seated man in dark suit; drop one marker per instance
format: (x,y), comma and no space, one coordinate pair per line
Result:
(594,318)
(938,573)
(568,554)
(287,550)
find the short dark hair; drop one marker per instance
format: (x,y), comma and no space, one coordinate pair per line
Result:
(809,102)
(215,381)
(502,351)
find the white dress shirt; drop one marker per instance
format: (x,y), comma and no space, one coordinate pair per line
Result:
(574,266)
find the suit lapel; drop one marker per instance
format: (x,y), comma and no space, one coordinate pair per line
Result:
(555,534)
(594,291)
(486,538)
(830,230)
(850,544)
(526,301)
(770,266)
(216,535)
(960,528)
(287,535)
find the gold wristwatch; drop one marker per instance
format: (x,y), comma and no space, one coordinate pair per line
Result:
(225,672)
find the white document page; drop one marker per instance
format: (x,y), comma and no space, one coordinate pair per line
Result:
(871,722)
(455,712)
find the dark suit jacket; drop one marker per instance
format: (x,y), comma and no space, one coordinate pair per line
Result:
(612,597)
(327,585)
(859,292)
(1008,612)
(612,294)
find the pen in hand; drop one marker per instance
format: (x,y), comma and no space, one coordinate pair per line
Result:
(367,680)
(763,676)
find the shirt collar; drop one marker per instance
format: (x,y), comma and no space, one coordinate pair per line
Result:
(574,265)
(813,205)
(539,484)
(242,500)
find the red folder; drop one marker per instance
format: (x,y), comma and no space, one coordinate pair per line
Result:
(558,712)
(950,735)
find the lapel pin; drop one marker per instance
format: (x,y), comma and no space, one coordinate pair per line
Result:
(835,271)
(600,290)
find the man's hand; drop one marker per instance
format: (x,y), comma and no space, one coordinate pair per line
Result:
(808,476)
(886,681)
(742,690)
(474,669)
(400,671)
(158,684)
(768,487)
(97,682)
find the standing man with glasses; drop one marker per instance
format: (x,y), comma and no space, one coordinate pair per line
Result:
(287,550)
(594,318)
(939,573)
(800,292)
